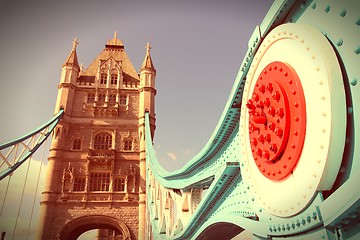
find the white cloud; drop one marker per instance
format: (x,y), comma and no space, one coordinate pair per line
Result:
(171,155)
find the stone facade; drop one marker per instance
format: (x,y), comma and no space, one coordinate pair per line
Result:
(96,166)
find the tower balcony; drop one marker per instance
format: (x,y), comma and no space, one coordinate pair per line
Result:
(101,153)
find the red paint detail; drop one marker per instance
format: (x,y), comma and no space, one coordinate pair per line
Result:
(277,118)
(259,119)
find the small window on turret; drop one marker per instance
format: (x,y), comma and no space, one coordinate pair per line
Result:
(123,99)
(101,98)
(77,144)
(112,98)
(114,78)
(91,98)
(103,78)
(127,145)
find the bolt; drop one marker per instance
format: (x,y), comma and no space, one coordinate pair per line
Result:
(271,126)
(296,105)
(273,147)
(260,104)
(259,152)
(268,137)
(284,166)
(262,88)
(267,102)
(280,112)
(278,132)
(286,74)
(294,92)
(296,133)
(297,119)
(276,95)
(290,81)
(252,128)
(279,171)
(250,105)
(266,154)
(271,110)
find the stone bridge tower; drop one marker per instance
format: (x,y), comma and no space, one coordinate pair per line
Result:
(96,166)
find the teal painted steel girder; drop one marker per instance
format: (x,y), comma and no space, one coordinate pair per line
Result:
(333,210)
(48,127)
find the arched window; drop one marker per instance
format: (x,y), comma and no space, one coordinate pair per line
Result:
(114,78)
(76,144)
(103,140)
(103,78)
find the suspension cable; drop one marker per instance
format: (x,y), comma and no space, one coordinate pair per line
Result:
(36,188)
(5,195)
(22,197)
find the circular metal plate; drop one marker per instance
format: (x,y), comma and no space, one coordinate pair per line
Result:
(277,122)
(310,115)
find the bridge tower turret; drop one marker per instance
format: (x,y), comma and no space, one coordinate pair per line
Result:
(65,98)
(69,74)
(146,104)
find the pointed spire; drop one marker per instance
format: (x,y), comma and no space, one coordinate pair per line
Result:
(147,64)
(72,59)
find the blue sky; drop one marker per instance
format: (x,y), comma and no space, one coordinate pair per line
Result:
(197,48)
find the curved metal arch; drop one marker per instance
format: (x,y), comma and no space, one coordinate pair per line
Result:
(73,229)
(34,140)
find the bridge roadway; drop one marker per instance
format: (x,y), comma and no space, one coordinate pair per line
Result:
(283,160)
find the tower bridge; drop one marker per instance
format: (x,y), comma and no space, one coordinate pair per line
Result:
(282,162)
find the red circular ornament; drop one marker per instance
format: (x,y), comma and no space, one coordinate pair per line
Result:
(277,121)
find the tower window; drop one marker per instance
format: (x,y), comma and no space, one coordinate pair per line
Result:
(103,141)
(79,184)
(114,78)
(127,145)
(76,144)
(122,99)
(112,98)
(119,184)
(99,182)
(90,98)
(101,98)
(103,78)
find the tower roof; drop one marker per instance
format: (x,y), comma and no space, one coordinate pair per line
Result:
(72,59)
(114,48)
(147,64)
